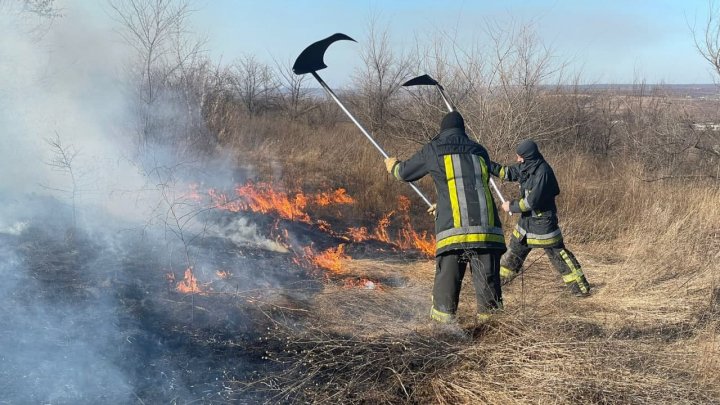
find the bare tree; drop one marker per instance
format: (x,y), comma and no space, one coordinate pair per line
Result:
(380,76)
(707,42)
(166,60)
(517,86)
(506,85)
(294,91)
(150,27)
(706,143)
(63,159)
(255,84)
(43,8)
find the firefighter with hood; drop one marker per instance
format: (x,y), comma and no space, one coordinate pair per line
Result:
(538,223)
(467,224)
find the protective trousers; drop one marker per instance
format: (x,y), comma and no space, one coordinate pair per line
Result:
(449,273)
(562,259)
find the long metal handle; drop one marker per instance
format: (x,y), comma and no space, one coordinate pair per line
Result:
(445,98)
(495,187)
(499,194)
(367,135)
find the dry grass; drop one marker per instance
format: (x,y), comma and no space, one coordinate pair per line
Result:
(648,334)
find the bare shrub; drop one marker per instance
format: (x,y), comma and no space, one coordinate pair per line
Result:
(254,84)
(378,81)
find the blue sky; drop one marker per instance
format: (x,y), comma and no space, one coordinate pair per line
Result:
(609,41)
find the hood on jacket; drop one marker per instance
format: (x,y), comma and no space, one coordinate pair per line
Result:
(530,152)
(452,119)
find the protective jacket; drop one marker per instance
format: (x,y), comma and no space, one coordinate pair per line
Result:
(538,224)
(467,217)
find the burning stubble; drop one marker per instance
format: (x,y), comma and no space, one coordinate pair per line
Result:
(125,277)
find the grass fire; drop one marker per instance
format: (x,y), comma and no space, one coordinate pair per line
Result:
(401,213)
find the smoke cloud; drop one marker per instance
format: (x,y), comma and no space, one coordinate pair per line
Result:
(69,233)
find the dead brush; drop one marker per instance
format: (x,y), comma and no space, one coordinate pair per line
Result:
(647,334)
(534,362)
(323,367)
(672,246)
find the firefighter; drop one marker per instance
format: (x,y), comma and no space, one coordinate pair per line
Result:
(467,224)
(538,223)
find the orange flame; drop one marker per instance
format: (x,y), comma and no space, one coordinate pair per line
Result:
(223,274)
(358,234)
(381,232)
(403,204)
(407,236)
(330,259)
(189,284)
(338,196)
(324,226)
(261,197)
(221,201)
(409,239)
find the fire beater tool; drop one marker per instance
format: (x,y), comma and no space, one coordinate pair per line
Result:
(427,80)
(310,61)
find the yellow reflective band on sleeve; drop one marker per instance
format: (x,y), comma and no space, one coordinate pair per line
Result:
(502,173)
(470,238)
(488,196)
(544,242)
(452,190)
(505,272)
(396,171)
(516,234)
(524,207)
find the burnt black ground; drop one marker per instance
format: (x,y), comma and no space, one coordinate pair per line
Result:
(90,316)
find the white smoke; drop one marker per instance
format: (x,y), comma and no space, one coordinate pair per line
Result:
(63,79)
(66,79)
(243,233)
(60,79)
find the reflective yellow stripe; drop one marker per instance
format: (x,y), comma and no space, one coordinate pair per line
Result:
(488,197)
(523,205)
(396,171)
(441,316)
(576,275)
(517,234)
(502,173)
(569,262)
(470,238)
(505,272)
(452,190)
(544,242)
(576,272)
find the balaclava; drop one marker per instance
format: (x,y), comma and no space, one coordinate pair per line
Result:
(452,119)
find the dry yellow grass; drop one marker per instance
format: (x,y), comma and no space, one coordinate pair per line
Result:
(649,333)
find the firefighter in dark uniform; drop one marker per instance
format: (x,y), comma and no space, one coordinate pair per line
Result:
(538,223)
(467,224)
